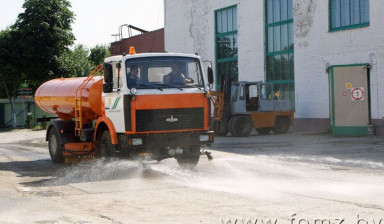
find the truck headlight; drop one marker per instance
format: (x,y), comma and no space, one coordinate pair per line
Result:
(137,141)
(204,138)
(133,91)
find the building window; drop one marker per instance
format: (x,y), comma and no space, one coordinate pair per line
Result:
(280,47)
(226,43)
(348,14)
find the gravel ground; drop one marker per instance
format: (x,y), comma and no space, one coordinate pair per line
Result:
(291,178)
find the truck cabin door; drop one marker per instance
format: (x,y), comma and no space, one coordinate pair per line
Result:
(114,106)
(266,97)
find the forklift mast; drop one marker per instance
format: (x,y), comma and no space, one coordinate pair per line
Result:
(226,89)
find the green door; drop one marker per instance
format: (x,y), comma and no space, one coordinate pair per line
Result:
(350,100)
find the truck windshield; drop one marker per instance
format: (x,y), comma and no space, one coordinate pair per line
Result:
(163,72)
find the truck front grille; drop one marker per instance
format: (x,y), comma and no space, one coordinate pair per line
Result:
(169,119)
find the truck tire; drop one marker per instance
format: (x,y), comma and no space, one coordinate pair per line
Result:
(55,148)
(281,125)
(240,126)
(190,160)
(105,147)
(263,131)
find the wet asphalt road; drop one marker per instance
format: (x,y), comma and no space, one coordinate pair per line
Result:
(292,178)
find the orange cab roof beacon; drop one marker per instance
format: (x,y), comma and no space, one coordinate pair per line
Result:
(132,50)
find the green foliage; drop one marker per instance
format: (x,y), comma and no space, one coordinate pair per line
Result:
(36,48)
(29,121)
(37,128)
(10,75)
(42,33)
(75,62)
(44,124)
(98,54)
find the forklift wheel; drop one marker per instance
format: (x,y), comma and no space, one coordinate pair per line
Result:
(281,125)
(240,126)
(220,128)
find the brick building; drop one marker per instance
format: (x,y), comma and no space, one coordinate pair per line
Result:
(326,56)
(144,43)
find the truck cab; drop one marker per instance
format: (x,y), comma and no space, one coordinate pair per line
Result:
(157,105)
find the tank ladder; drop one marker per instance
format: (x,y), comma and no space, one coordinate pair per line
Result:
(79,119)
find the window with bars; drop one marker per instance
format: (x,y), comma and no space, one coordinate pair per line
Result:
(226,43)
(348,14)
(280,47)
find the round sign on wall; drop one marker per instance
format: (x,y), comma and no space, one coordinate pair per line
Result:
(357,94)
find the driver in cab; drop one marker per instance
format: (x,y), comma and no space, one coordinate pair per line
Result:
(175,76)
(132,77)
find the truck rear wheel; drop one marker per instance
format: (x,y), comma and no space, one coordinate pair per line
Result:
(105,147)
(55,148)
(240,126)
(263,131)
(190,160)
(281,125)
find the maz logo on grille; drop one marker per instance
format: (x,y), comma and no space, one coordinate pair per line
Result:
(172,119)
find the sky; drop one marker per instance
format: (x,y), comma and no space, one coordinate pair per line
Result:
(97,20)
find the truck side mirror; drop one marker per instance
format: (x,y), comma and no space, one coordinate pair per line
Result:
(210,75)
(108,79)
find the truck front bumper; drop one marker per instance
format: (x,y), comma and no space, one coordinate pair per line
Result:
(163,140)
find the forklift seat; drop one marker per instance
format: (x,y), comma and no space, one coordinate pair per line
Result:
(253,104)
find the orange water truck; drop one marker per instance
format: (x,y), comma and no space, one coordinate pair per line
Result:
(153,105)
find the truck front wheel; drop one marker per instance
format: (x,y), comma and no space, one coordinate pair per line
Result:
(55,149)
(189,160)
(105,147)
(281,125)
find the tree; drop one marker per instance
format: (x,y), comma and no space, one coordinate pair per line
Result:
(98,54)
(42,33)
(10,75)
(76,63)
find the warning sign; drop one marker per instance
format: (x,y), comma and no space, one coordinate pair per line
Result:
(357,94)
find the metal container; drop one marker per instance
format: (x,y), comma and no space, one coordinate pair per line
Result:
(58,96)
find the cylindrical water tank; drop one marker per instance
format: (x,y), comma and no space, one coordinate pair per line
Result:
(58,96)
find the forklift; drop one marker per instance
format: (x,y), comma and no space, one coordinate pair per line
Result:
(239,107)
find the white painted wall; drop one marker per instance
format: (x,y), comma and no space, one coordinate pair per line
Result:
(316,47)
(189,28)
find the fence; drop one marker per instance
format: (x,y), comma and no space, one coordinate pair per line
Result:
(22,107)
